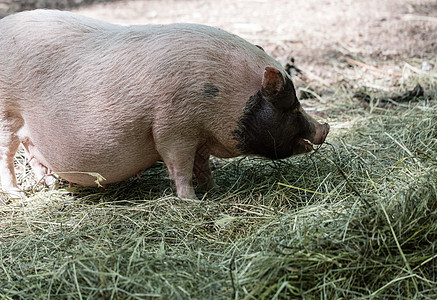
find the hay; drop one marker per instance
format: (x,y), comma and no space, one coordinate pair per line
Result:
(355,219)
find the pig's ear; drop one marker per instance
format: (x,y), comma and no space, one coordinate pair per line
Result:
(275,90)
(273,81)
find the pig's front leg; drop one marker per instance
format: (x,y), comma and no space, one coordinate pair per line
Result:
(179,161)
(202,169)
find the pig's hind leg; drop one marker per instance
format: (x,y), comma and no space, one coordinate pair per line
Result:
(10,123)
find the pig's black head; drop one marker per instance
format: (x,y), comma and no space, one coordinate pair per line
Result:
(273,124)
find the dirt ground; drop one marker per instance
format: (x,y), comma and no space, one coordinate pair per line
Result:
(319,34)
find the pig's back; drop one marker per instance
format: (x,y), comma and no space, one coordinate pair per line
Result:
(39,44)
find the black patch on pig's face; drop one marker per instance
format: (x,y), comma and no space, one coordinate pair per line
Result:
(270,131)
(285,99)
(210,91)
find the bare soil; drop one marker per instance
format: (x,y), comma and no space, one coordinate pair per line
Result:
(319,34)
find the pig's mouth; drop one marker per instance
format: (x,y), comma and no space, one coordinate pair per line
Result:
(305,145)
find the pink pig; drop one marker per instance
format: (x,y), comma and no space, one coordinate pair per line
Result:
(88,96)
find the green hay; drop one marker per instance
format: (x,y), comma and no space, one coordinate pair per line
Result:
(355,219)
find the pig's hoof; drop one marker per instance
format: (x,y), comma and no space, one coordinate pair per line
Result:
(188,196)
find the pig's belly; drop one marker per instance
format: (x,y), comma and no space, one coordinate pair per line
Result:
(116,158)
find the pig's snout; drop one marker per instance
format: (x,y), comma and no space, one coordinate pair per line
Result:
(322,131)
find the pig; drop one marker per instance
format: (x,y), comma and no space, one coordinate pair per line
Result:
(87,97)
